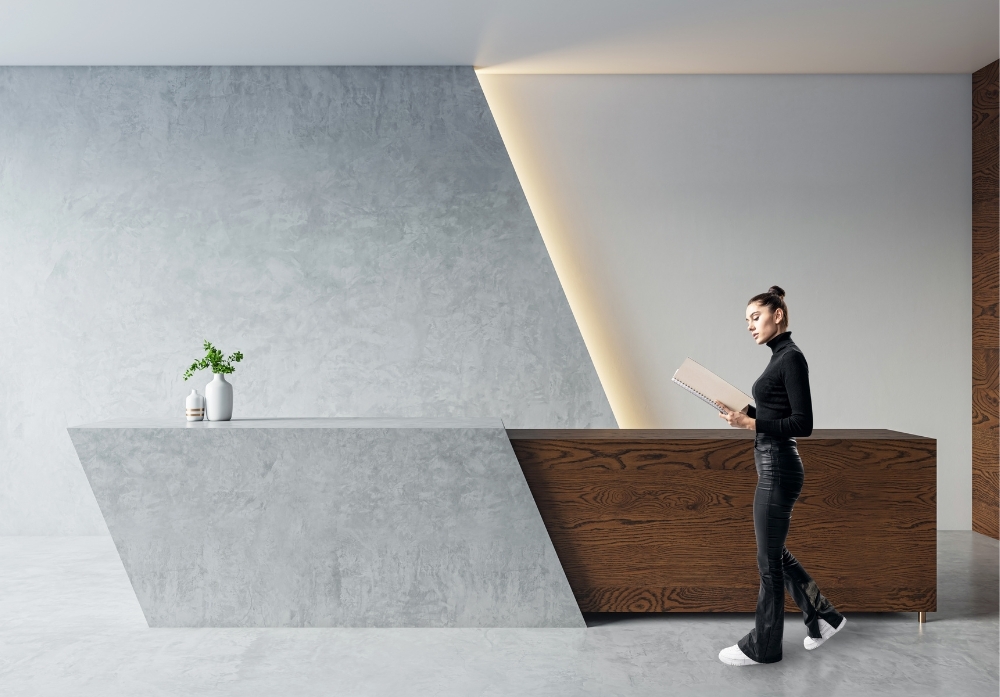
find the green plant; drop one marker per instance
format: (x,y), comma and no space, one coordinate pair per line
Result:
(214,359)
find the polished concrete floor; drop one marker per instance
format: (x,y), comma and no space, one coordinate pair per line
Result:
(70,625)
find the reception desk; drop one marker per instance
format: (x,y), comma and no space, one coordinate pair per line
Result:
(325,523)
(662,520)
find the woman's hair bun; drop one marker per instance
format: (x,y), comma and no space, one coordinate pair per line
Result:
(774,299)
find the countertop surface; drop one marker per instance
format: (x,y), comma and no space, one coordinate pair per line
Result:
(344,422)
(513,434)
(698,434)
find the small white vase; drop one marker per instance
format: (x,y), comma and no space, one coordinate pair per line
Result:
(219,399)
(195,406)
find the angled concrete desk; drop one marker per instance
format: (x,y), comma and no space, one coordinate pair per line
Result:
(662,520)
(325,522)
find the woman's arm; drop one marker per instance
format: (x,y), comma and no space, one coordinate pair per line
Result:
(795,374)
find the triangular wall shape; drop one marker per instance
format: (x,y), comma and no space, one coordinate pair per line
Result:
(359,233)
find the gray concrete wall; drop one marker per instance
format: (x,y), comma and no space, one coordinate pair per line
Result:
(668,201)
(359,233)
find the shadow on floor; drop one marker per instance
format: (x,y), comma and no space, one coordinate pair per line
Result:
(602,619)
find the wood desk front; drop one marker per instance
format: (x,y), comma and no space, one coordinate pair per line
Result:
(662,520)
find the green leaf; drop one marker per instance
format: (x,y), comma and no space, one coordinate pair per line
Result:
(214,359)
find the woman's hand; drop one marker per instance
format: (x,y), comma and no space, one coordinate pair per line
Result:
(736,419)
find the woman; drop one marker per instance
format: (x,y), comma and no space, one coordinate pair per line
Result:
(784,411)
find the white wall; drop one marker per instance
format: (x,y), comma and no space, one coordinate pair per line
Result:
(666,202)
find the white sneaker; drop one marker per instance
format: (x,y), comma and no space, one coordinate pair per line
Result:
(826,630)
(732,656)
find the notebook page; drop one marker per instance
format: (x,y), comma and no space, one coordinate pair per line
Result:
(703,380)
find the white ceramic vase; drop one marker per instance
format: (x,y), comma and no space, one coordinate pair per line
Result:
(219,399)
(195,406)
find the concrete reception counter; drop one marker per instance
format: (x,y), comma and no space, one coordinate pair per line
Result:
(433,522)
(325,522)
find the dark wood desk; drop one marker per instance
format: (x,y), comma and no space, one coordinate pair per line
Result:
(662,520)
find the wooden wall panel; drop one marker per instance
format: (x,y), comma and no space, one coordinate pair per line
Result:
(662,521)
(985,299)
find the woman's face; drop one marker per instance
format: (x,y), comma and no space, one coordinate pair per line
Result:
(762,323)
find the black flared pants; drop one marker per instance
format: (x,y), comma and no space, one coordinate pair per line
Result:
(779,482)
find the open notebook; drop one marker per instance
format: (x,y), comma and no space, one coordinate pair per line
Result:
(707,386)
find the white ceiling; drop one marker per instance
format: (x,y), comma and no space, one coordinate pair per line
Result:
(555,36)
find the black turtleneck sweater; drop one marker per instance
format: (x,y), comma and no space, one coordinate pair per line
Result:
(784,404)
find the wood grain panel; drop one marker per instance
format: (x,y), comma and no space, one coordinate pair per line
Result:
(656,523)
(734,599)
(985,303)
